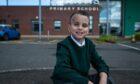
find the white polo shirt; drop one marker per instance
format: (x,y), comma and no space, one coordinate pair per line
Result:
(78,43)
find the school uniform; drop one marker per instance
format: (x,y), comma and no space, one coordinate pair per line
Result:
(74,59)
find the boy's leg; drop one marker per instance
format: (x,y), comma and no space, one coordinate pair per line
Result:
(95,78)
(61,82)
(110,80)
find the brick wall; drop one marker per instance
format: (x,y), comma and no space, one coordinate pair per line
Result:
(25,15)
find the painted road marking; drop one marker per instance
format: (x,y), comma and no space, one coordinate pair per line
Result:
(30,42)
(52,68)
(26,69)
(135,48)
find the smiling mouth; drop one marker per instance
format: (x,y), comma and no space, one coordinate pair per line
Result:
(79,33)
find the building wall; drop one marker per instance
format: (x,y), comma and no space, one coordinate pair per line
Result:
(131,15)
(25,15)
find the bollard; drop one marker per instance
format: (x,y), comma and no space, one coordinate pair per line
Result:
(133,39)
(48,35)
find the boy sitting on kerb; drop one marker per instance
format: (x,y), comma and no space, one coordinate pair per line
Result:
(75,54)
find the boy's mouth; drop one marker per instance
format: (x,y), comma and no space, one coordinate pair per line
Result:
(79,33)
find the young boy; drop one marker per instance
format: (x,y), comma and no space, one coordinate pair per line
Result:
(75,54)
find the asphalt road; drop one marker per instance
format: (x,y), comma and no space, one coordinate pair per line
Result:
(33,62)
(26,56)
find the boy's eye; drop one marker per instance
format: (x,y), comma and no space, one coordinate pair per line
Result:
(84,25)
(76,24)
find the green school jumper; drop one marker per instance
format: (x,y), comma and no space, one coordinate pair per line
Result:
(73,62)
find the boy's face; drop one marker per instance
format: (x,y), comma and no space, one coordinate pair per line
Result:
(79,26)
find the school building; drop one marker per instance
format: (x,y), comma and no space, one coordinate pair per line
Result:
(55,19)
(124,18)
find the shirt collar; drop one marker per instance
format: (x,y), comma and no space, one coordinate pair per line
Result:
(78,43)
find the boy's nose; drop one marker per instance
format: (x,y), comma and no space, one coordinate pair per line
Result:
(80,27)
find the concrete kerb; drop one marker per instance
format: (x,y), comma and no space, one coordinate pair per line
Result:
(45,38)
(53,36)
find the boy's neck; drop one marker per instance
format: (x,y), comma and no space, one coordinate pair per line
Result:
(78,42)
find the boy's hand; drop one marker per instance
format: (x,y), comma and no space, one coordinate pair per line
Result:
(89,82)
(103,82)
(103,78)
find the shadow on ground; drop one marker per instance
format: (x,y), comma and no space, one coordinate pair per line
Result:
(43,77)
(26,77)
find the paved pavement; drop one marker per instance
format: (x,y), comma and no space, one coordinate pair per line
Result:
(123,60)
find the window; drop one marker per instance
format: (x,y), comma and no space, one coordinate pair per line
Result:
(137,26)
(35,26)
(2,21)
(15,24)
(57,24)
(114,14)
(90,23)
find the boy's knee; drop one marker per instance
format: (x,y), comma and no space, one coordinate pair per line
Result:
(61,82)
(110,80)
(95,78)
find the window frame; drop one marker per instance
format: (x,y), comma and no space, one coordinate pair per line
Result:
(57,24)
(36,23)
